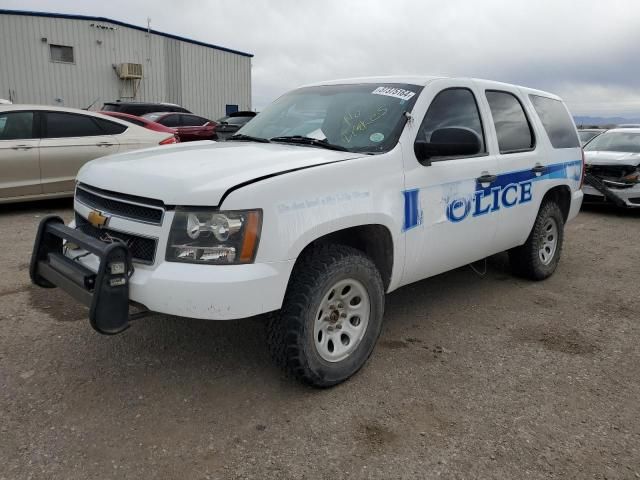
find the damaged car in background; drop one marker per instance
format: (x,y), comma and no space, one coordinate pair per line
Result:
(613,168)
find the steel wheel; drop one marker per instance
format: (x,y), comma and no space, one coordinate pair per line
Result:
(341,320)
(548,241)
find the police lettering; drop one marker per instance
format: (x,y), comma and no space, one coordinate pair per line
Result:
(488,201)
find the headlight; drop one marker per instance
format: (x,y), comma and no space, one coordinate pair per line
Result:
(214,237)
(632,177)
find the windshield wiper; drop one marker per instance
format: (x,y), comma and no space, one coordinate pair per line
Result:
(300,140)
(248,138)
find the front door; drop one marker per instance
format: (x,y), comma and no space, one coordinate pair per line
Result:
(19,155)
(448,206)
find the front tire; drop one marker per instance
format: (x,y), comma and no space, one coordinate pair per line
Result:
(538,258)
(331,316)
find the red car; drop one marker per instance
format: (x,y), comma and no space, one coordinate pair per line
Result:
(141,122)
(188,126)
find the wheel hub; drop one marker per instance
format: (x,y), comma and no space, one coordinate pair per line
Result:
(341,320)
(548,241)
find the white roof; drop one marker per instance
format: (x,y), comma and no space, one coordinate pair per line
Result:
(423,80)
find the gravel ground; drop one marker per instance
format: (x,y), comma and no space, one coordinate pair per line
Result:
(490,377)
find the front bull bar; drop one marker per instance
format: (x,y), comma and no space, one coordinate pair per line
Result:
(106,292)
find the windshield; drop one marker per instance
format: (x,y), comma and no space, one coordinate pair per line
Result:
(585,136)
(360,118)
(616,142)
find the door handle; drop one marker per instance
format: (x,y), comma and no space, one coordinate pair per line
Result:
(487,178)
(538,168)
(22,147)
(104,144)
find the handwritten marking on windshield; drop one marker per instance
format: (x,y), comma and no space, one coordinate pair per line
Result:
(356,126)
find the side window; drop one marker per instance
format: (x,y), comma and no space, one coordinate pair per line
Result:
(16,126)
(170,121)
(110,128)
(61,125)
(454,107)
(192,121)
(512,126)
(556,121)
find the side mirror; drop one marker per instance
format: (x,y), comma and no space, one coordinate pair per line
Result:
(448,142)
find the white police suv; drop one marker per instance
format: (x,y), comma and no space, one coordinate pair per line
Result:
(333,195)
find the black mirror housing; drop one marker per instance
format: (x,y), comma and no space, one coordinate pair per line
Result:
(448,142)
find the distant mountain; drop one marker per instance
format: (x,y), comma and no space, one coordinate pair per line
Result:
(603,120)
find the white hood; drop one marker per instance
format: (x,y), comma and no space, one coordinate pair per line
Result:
(199,173)
(611,158)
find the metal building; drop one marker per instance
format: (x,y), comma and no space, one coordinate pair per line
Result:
(74,61)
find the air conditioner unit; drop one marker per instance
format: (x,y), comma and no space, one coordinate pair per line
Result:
(129,70)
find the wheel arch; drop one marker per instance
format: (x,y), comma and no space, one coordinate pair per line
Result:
(374,240)
(561,195)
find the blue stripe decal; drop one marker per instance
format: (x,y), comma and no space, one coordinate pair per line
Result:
(411,209)
(508,190)
(554,171)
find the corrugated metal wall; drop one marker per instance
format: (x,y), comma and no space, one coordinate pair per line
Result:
(200,78)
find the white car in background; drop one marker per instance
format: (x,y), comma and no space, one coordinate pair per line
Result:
(613,168)
(42,147)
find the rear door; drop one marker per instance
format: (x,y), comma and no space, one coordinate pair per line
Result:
(521,159)
(19,154)
(69,141)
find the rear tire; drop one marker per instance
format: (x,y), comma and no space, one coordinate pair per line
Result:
(331,316)
(538,258)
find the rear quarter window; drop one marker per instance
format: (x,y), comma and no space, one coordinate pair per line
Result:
(110,128)
(556,122)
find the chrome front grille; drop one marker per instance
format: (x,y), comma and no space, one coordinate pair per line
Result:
(143,249)
(146,210)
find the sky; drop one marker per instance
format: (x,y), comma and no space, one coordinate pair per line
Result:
(586,51)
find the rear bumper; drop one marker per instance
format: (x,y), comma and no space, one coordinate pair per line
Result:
(576,203)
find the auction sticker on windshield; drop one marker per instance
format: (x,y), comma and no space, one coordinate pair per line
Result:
(400,93)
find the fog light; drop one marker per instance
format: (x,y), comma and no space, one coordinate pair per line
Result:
(117,268)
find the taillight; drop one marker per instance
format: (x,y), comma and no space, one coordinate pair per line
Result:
(583,167)
(170,141)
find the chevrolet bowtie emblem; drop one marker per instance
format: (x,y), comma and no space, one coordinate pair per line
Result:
(97,219)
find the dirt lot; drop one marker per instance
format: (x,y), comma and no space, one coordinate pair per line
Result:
(473,377)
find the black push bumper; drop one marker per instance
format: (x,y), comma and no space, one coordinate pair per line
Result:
(608,193)
(106,292)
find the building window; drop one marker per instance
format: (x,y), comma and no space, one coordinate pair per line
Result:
(60,53)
